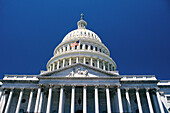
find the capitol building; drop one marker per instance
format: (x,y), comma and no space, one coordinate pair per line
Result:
(81,77)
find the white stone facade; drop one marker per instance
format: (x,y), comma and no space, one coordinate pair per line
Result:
(83,79)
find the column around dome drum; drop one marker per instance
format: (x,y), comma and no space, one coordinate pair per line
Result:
(104,68)
(77,59)
(91,61)
(58,64)
(70,62)
(84,60)
(98,63)
(64,62)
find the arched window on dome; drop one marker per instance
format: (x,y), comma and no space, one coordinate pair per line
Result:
(85,33)
(81,32)
(81,46)
(86,46)
(95,48)
(89,34)
(66,48)
(91,47)
(100,50)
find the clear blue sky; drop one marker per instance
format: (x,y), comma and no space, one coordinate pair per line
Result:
(137,33)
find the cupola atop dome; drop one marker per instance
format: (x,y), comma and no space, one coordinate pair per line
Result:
(81,23)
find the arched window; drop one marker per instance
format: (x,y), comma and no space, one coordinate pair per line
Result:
(86,46)
(91,47)
(81,46)
(66,48)
(95,48)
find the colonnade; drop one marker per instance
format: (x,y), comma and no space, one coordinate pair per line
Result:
(40,93)
(92,61)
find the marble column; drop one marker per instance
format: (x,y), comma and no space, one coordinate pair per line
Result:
(53,66)
(3,101)
(98,63)
(49,99)
(41,101)
(108,100)
(84,60)
(19,101)
(83,47)
(9,101)
(73,99)
(50,67)
(64,48)
(37,99)
(119,100)
(58,64)
(63,62)
(149,101)
(89,47)
(91,61)
(159,101)
(60,109)
(96,100)
(30,100)
(138,100)
(70,61)
(128,100)
(85,99)
(108,66)
(77,59)
(68,47)
(104,68)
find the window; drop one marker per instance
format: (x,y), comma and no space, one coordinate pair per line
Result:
(66,48)
(81,46)
(91,47)
(95,48)
(86,46)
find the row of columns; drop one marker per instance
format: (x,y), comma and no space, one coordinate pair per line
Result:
(40,94)
(83,47)
(99,63)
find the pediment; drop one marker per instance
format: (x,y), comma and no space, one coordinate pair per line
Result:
(80,70)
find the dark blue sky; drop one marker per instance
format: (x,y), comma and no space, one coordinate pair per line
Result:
(137,33)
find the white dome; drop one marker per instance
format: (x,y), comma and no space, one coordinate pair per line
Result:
(81,34)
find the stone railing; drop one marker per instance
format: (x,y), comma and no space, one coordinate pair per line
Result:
(20,77)
(138,77)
